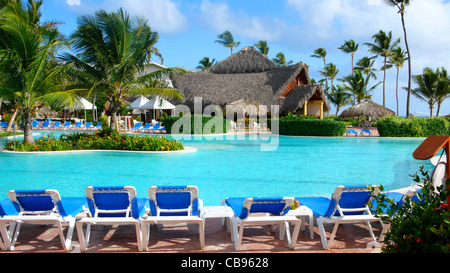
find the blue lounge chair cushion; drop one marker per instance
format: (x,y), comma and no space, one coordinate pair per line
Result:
(116,201)
(33,201)
(261,204)
(174,197)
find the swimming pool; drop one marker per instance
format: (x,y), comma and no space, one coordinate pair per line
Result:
(222,167)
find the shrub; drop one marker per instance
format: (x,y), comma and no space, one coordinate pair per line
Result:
(195,128)
(417,226)
(310,126)
(413,127)
(105,139)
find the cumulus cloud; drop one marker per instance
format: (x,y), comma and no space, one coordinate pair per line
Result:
(219,16)
(73,2)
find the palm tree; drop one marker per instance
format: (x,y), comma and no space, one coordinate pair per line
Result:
(330,72)
(227,40)
(358,86)
(280,60)
(442,91)
(426,90)
(27,68)
(397,59)
(321,53)
(350,47)
(401,5)
(383,45)
(113,54)
(263,48)
(339,97)
(205,63)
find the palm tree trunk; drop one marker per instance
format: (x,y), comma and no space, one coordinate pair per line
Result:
(396,88)
(384,82)
(325,69)
(353,54)
(431,110)
(408,98)
(11,121)
(438,109)
(27,128)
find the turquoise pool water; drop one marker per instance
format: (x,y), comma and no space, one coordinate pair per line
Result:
(300,166)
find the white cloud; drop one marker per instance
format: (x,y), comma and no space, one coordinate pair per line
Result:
(220,17)
(73,2)
(164,15)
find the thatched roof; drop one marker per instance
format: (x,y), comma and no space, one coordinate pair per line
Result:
(299,95)
(248,60)
(367,109)
(246,75)
(247,107)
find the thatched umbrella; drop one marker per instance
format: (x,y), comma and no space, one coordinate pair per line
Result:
(368,109)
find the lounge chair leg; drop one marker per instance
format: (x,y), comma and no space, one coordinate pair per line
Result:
(239,239)
(139,236)
(371,231)
(333,234)
(323,235)
(6,236)
(81,238)
(201,231)
(295,233)
(15,235)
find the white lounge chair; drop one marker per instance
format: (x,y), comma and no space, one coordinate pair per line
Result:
(173,204)
(111,206)
(275,210)
(348,204)
(41,207)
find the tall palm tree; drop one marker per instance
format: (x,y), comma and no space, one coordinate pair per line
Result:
(227,40)
(321,53)
(280,60)
(426,90)
(397,59)
(262,47)
(401,5)
(205,63)
(112,57)
(442,91)
(383,45)
(28,70)
(349,47)
(330,72)
(339,97)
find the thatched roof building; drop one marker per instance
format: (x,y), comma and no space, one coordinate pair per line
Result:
(367,109)
(249,75)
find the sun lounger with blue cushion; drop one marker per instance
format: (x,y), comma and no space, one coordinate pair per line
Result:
(87,126)
(157,127)
(42,207)
(173,204)
(34,124)
(56,125)
(365,131)
(77,125)
(98,126)
(348,204)
(46,125)
(67,125)
(137,127)
(147,127)
(111,206)
(3,124)
(274,211)
(352,131)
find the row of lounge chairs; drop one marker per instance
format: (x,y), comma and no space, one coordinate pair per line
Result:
(173,204)
(362,132)
(67,126)
(148,128)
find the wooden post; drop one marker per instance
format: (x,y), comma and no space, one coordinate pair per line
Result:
(305,108)
(321,109)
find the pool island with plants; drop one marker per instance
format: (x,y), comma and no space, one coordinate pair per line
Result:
(105,139)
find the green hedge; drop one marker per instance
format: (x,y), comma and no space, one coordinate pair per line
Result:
(413,127)
(170,120)
(305,126)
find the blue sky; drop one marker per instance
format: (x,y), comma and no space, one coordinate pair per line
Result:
(188,30)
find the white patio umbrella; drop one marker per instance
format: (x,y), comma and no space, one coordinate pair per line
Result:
(158,103)
(83,104)
(139,102)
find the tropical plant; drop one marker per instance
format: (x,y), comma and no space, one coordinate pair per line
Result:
(321,53)
(227,40)
(442,91)
(401,5)
(339,97)
(419,224)
(205,63)
(349,47)
(280,60)
(113,56)
(28,71)
(383,45)
(330,72)
(262,47)
(397,59)
(358,86)
(430,83)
